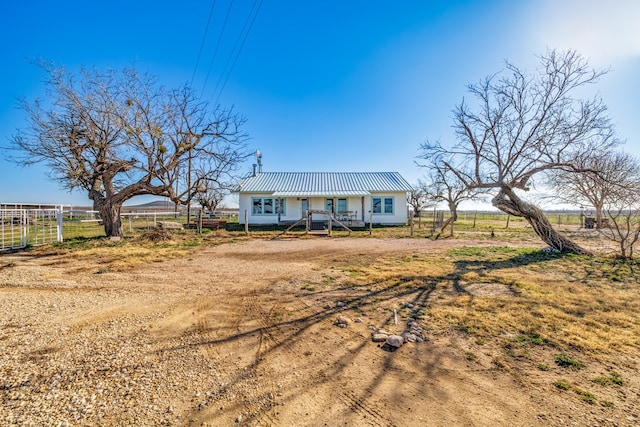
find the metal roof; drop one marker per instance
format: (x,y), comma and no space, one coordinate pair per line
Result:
(308,184)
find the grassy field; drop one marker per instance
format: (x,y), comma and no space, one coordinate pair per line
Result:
(529,298)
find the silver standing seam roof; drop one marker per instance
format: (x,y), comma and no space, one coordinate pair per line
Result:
(309,184)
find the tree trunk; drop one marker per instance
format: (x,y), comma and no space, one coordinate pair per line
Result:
(110,215)
(507,201)
(453,217)
(599,217)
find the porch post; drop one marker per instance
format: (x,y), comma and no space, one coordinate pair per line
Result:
(307,225)
(279,208)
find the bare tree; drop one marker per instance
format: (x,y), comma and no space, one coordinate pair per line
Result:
(623,210)
(418,198)
(523,126)
(210,196)
(450,189)
(598,182)
(118,135)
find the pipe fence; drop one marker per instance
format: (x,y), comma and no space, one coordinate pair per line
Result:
(24,226)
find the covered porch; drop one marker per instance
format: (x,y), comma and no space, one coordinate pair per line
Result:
(347,207)
(320,221)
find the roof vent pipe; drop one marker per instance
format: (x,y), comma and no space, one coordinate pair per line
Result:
(254,169)
(259,157)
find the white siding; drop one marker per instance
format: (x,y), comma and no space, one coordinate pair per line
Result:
(399,215)
(293,208)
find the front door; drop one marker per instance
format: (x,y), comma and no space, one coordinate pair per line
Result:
(305,206)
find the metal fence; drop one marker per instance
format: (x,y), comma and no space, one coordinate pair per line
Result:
(88,224)
(23,226)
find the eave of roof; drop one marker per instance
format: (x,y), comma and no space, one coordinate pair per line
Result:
(320,193)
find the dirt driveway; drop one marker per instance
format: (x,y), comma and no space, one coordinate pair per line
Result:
(241,334)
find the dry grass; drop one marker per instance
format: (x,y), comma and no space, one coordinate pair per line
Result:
(129,252)
(509,295)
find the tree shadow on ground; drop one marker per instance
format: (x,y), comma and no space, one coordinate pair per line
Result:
(413,291)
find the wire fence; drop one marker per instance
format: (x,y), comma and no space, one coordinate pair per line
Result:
(87,224)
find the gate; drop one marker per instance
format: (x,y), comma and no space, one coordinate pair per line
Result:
(22,226)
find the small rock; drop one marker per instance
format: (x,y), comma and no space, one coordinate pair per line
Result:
(342,321)
(409,337)
(358,320)
(341,304)
(395,341)
(379,337)
(239,419)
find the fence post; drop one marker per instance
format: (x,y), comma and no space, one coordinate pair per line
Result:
(246,222)
(59,236)
(411,225)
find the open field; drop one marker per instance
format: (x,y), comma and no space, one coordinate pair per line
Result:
(229,330)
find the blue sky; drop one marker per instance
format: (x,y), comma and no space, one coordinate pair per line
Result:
(325,85)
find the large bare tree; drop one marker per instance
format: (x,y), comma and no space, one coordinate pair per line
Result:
(119,134)
(521,126)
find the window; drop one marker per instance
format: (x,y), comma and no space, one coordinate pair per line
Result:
(267,206)
(342,205)
(257,206)
(382,205)
(388,205)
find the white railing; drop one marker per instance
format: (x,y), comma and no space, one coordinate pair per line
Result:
(22,226)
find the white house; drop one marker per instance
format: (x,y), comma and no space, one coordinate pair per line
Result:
(352,197)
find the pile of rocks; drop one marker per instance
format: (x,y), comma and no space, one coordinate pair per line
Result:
(413,332)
